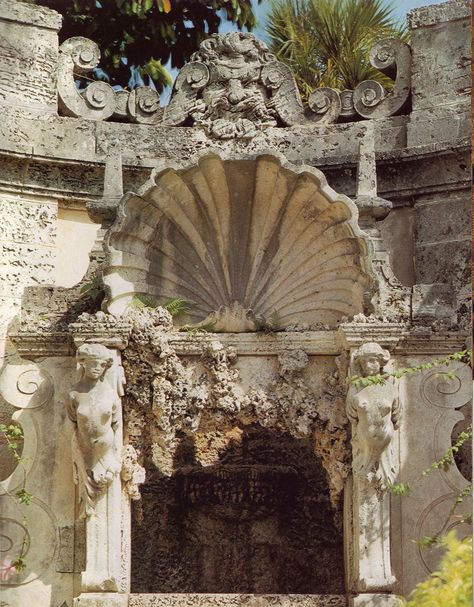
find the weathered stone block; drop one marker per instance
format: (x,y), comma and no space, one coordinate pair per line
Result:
(27,222)
(28,55)
(453,209)
(446,262)
(440,33)
(375,600)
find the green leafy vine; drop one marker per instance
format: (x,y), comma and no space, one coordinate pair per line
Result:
(12,435)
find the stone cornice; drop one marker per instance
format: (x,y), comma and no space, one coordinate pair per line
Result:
(58,178)
(427,16)
(395,336)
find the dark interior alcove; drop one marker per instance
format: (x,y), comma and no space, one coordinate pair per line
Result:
(258,521)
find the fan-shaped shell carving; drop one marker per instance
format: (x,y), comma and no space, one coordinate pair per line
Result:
(247,231)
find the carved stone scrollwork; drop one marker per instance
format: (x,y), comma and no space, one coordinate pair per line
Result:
(192,78)
(324,103)
(143,106)
(15,532)
(233,87)
(371,100)
(99,101)
(78,56)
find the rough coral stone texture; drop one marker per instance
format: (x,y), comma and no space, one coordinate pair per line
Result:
(240,493)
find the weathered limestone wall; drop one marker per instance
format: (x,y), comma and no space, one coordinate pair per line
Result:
(28,56)
(441,81)
(28,249)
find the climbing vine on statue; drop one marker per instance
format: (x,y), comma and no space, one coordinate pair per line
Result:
(451,585)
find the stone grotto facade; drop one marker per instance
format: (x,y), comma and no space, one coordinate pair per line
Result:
(222,456)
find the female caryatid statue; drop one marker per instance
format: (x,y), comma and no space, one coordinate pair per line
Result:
(93,407)
(374,411)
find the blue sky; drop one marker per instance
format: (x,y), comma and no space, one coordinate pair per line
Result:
(402,7)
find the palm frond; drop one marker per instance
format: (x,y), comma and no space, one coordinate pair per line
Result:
(327,42)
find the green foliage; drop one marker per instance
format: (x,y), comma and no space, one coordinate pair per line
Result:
(193,331)
(271,325)
(147,33)
(12,434)
(464,356)
(327,42)
(451,586)
(143,301)
(94,288)
(399,488)
(24,497)
(19,563)
(447,459)
(176,306)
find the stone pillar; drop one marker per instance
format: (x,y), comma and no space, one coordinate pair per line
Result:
(28,56)
(97,471)
(374,411)
(441,99)
(441,86)
(391,299)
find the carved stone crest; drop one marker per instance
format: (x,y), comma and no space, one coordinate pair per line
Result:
(222,87)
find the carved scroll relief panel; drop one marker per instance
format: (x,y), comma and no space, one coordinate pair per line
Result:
(233,87)
(35,392)
(433,403)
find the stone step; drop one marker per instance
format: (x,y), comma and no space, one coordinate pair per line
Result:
(237,600)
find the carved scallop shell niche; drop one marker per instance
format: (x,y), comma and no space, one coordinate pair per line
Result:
(239,240)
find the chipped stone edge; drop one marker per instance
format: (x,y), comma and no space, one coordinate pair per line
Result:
(427,16)
(30,14)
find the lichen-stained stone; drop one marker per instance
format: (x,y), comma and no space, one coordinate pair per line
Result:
(439,33)
(27,239)
(23,264)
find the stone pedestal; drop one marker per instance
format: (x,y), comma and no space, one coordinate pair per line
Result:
(375,600)
(101,599)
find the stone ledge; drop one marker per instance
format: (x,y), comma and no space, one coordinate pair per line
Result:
(237,600)
(396,336)
(30,14)
(427,16)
